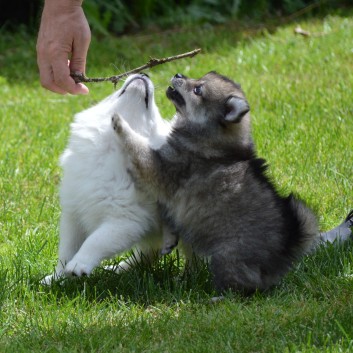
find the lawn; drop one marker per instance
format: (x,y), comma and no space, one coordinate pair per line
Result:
(300,91)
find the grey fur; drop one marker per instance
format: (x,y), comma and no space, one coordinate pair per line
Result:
(213,191)
(341,233)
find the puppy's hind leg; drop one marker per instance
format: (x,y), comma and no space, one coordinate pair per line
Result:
(340,233)
(146,252)
(170,241)
(243,275)
(110,239)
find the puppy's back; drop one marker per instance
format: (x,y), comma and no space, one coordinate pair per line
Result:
(274,231)
(231,212)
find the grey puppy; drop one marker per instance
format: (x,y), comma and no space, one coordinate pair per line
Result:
(214,192)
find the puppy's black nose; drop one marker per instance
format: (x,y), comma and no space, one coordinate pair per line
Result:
(178,76)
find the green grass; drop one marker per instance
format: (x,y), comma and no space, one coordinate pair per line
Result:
(300,91)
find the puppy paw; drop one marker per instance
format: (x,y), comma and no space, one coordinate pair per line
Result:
(115,268)
(349,219)
(117,124)
(215,300)
(50,279)
(77,269)
(168,248)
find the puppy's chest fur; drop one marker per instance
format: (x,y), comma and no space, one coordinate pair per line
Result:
(203,198)
(96,185)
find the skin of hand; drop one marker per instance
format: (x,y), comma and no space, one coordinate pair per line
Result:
(62,45)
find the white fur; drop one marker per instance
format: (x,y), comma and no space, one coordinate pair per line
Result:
(103,214)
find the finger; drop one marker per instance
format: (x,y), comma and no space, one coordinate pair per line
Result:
(78,57)
(47,78)
(62,78)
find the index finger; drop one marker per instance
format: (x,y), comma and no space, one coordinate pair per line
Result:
(62,78)
(46,76)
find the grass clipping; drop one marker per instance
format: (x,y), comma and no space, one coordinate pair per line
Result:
(80,77)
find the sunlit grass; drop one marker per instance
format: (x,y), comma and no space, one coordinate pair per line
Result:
(300,92)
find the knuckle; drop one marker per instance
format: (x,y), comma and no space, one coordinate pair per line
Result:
(86,37)
(54,49)
(45,83)
(77,62)
(60,80)
(63,83)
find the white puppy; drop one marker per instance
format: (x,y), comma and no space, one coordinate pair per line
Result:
(103,213)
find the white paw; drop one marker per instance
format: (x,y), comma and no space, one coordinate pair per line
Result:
(114,268)
(78,269)
(50,279)
(215,300)
(122,266)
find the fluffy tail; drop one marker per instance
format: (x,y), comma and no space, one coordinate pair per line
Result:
(308,229)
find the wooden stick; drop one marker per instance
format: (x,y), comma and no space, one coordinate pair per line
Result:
(80,77)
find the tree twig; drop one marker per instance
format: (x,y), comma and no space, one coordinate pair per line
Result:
(80,77)
(304,10)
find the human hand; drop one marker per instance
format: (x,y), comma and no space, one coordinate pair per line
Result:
(63,32)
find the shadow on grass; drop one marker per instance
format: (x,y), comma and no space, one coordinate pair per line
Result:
(311,307)
(316,276)
(162,308)
(165,281)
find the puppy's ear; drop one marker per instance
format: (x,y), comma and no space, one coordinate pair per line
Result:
(236,108)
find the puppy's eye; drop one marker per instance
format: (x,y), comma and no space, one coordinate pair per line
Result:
(198,90)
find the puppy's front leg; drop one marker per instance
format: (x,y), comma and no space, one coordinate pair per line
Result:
(170,240)
(138,149)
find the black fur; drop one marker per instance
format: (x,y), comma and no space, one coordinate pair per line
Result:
(215,194)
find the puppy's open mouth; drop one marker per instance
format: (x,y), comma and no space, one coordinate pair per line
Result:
(144,79)
(175,96)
